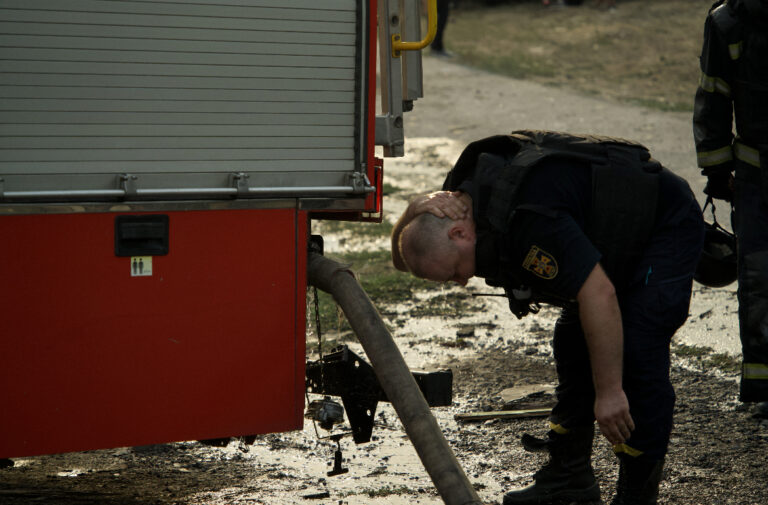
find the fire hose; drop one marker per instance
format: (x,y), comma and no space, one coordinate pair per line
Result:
(395,379)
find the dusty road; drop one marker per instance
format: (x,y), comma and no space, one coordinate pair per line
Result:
(718,451)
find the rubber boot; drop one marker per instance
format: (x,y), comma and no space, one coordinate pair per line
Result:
(638,481)
(567,477)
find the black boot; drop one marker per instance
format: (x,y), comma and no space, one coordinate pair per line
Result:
(638,481)
(567,477)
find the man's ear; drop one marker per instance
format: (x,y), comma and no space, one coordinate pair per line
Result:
(459,231)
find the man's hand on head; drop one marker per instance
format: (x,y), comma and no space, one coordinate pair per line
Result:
(450,204)
(454,205)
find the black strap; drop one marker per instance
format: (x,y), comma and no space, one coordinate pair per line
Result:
(711,202)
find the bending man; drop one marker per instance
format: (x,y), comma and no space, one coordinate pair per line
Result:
(597,227)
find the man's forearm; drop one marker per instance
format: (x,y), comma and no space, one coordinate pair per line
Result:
(601,321)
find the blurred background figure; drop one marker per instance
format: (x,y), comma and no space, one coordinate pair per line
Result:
(437,47)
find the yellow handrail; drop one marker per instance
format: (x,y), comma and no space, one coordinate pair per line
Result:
(398,45)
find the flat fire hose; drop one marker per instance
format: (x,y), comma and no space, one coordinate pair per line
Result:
(395,379)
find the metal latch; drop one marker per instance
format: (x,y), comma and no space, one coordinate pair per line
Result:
(127,183)
(240,182)
(359,182)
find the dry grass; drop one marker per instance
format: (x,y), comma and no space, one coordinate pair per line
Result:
(644,51)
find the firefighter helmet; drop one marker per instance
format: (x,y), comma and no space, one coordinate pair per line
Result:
(717,266)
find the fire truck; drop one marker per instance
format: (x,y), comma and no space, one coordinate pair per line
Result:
(160,164)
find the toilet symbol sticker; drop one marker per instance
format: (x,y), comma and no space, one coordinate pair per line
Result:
(141,266)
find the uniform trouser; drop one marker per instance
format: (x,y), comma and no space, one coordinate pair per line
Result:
(653,307)
(750,222)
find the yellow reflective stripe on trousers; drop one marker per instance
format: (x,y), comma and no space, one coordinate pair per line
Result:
(754,371)
(747,154)
(558,428)
(712,158)
(619,448)
(735,50)
(712,84)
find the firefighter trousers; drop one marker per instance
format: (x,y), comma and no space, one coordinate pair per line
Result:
(750,223)
(654,305)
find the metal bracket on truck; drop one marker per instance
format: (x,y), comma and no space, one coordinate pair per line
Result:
(345,374)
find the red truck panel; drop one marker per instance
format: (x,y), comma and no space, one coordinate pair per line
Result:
(210,345)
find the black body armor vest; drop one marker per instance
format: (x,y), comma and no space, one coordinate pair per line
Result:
(620,221)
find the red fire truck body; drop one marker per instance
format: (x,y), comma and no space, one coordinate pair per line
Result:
(160,163)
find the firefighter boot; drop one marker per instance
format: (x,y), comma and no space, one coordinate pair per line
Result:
(638,481)
(567,477)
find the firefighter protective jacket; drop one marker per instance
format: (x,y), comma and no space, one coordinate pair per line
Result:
(734,79)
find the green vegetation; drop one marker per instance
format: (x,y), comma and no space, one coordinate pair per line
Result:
(389,189)
(708,358)
(692,351)
(355,228)
(380,279)
(724,362)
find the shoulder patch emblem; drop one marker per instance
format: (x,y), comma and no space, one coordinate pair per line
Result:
(541,263)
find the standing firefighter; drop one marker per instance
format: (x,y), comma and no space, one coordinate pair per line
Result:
(596,226)
(734,81)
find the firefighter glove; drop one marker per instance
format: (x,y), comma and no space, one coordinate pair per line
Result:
(720,187)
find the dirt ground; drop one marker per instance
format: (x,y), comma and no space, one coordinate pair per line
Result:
(718,450)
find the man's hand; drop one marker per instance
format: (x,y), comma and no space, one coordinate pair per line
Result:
(613,418)
(450,204)
(720,187)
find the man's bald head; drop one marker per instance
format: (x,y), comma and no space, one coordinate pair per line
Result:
(425,237)
(439,249)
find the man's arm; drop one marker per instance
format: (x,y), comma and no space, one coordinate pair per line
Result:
(713,114)
(601,320)
(453,205)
